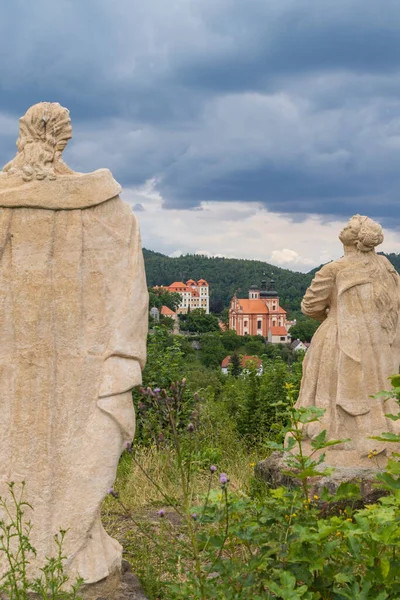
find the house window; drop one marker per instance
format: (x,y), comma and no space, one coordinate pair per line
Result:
(283,339)
(245,323)
(259,324)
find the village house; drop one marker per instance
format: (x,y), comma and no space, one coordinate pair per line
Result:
(167,312)
(297,345)
(260,314)
(246,362)
(194,294)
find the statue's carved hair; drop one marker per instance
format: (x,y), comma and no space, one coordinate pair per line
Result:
(370,234)
(44,131)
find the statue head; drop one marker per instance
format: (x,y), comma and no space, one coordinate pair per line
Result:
(44,132)
(361,232)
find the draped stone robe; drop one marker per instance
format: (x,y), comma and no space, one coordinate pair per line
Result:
(352,353)
(73,325)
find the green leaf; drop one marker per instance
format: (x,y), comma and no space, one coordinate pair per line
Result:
(347,489)
(395,380)
(393,417)
(385,437)
(384,567)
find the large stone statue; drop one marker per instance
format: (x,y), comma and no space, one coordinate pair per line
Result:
(73,325)
(356,348)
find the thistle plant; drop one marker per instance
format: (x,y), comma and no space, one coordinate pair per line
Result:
(300,465)
(16,547)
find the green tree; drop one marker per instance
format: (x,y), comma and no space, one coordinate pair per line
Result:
(304,330)
(197,321)
(212,351)
(235,366)
(161,297)
(255,348)
(231,340)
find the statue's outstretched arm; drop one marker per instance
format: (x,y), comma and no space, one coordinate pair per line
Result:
(316,301)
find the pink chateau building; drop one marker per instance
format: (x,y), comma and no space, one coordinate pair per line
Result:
(260,314)
(194,294)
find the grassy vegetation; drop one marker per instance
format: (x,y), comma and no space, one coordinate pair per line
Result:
(197,525)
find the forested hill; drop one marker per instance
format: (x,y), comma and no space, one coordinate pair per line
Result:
(225,276)
(229,275)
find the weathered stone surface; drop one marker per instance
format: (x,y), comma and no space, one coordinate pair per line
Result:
(73,324)
(355,349)
(271,470)
(123,586)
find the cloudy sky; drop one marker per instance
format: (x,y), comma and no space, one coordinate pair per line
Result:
(245,128)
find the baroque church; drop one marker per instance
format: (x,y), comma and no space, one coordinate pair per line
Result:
(260,314)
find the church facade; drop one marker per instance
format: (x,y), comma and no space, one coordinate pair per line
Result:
(260,314)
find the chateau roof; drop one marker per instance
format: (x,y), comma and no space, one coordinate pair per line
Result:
(177,284)
(202,282)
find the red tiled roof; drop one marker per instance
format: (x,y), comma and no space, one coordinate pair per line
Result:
(277,330)
(167,311)
(177,284)
(243,361)
(279,310)
(191,282)
(202,282)
(253,307)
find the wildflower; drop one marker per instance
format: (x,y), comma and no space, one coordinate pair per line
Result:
(316,497)
(252,464)
(190,428)
(184,382)
(338,533)
(141,406)
(294,514)
(156,390)
(194,516)
(113,493)
(196,397)
(351,520)
(129,446)
(223,478)
(161,513)
(213,468)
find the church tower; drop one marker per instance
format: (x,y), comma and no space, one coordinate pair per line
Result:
(254,292)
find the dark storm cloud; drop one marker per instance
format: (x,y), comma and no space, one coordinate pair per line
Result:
(290,103)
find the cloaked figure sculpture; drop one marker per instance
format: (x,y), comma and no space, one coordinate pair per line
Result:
(73,325)
(355,349)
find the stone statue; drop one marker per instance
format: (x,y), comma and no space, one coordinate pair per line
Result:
(73,325)
(356,348)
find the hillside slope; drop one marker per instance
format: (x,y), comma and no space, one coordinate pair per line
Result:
(225,276)
(229,275)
